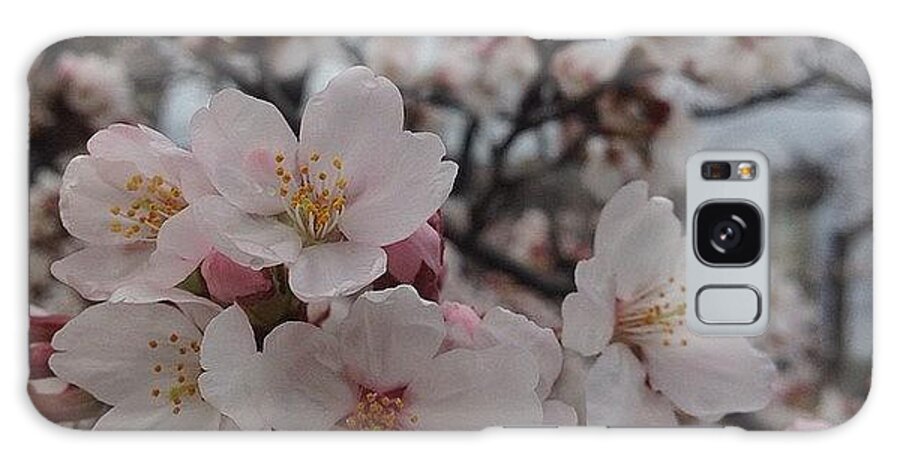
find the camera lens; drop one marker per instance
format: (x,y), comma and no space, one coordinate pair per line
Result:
(728,233)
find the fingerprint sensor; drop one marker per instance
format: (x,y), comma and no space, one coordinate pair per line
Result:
(728,304)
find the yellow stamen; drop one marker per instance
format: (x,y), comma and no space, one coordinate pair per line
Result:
(314,208)
(376,411)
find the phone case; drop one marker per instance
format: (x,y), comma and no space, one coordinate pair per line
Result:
(435,233)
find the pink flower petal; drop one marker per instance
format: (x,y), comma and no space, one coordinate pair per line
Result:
(228,281)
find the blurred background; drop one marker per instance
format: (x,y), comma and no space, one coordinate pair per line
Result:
(544,133)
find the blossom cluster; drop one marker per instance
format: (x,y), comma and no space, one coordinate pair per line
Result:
(273,280)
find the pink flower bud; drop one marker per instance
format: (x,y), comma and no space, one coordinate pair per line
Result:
(228,281)
(460,315)
(463,326)
(39,357)
(418,260)
(41,328)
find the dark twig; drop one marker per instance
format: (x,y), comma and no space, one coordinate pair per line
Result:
(539,116)
(760,98)
(550,285)
(352,50)
(264,88)
(464,176)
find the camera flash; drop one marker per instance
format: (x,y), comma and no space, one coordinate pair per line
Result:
(746,170)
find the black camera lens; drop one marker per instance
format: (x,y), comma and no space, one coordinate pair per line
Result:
(728,233)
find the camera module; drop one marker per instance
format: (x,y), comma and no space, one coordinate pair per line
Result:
(728,233)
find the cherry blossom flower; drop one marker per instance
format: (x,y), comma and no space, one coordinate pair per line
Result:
(326,204)
(630,309)
(407,61)
(486,74)
(143,359)
(129,200)
(578,68)
(736,67)
(96,87)
(382,370)
(54,399)
(489,74)
(466,329)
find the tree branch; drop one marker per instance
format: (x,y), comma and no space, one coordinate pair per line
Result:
(549,285)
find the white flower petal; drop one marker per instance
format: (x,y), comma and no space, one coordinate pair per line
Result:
(396,178)
(592,277)
(164,270)
(711,376)
(588,324)
(335,269)
(137,414)
(306,385)
(192,177)
(619,215)
(473,389)
(248,240)
(90,188)
(237,138)
(557,413)
(184,236)
(353,117)
(569,388)
(616,393)
(112,349)
(228,340)
(228,424)
(388,337)
(294,384)
(414,186)
(146,148)
(180,167)
(638,240)
(198,309)
(541,343)
(234,370)
(651,253)
(96,271)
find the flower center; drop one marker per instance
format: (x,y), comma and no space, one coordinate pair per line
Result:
(313,196)
(654,313)
(174,374)
(156,201)
(377,411)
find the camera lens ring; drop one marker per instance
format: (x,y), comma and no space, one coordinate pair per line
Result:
(742,244)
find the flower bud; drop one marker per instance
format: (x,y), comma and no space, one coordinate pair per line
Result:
(463,326)
(41,328)
(418,260)
(228,281)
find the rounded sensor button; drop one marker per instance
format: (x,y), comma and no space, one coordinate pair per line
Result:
(728,304)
